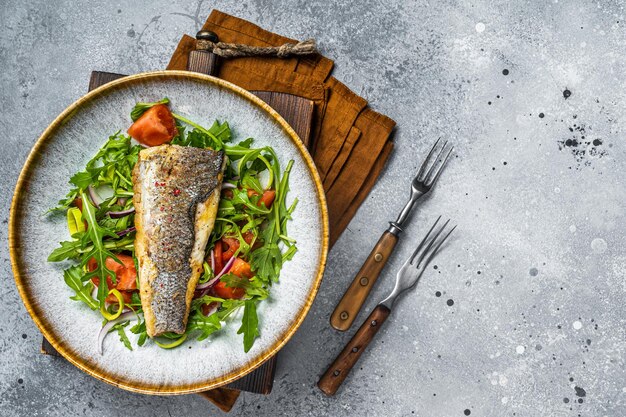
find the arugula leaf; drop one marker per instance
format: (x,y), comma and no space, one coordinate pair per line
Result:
(122,334)
(112,166)
(266,261)
(141,108)
(221,131)
(205,325)
(77,248)
(140,329)
(249,325)
(95,233)
(73,278)
(85,178)
(68,250)
(197,303)
(197,139)
(252,182)
(241,197)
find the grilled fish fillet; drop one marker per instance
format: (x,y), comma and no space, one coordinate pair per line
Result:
(176,194)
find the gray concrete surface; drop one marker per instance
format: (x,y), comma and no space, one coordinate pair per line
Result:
(537,270)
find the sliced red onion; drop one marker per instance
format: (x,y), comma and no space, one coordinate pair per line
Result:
(224,270)
(95,198)
(126,231)
(118,214)
(105,329)
(228,186)
(122,201)
(212,260)
(207,285)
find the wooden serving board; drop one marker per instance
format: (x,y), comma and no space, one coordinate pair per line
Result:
(298,112)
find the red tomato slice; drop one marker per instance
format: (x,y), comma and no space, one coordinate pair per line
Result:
(232,247)
(155,127)
(241,268)
(267,198)
(125,274)
(219,265)
(248,237)
(222,291)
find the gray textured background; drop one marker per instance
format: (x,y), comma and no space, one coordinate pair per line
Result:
(537,271)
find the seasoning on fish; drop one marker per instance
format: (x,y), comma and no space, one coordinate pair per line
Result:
(176,195)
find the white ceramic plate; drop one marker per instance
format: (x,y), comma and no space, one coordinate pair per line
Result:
(64,148)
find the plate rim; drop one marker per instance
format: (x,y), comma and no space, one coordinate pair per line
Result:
(82,363)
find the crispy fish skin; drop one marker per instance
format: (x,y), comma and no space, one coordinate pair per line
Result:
(176,196)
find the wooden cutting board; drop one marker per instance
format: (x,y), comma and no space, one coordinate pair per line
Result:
(298,112)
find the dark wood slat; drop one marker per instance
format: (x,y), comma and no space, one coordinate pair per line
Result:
(298,112)
(100,78)
(259,381)
(202,61)
(224,398)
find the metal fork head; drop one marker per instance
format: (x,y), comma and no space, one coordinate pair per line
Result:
(414,266)
(424,180)
(431,168)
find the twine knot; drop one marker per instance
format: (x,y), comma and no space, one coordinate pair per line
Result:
(234,50)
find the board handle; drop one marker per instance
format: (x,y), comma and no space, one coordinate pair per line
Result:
(203,61)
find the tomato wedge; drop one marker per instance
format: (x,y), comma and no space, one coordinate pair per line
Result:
(267,198)
(222,291)
(248,237)
(217,253)
(232,244)
(125,274)
(241,268)
(155,127)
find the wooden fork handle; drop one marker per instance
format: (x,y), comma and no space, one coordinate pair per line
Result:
(354,297)
(337,372)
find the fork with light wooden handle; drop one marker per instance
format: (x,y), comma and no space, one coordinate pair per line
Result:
(356,294)
(406,279)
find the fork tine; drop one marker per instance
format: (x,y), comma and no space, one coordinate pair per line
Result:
(423,240)
(433,167)
(430,244)
(425,163)
(440,169)
(436,249)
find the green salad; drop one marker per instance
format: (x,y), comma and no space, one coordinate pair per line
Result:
(246,250)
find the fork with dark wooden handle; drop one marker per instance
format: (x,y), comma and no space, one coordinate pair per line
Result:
(359,289)
(406,279)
